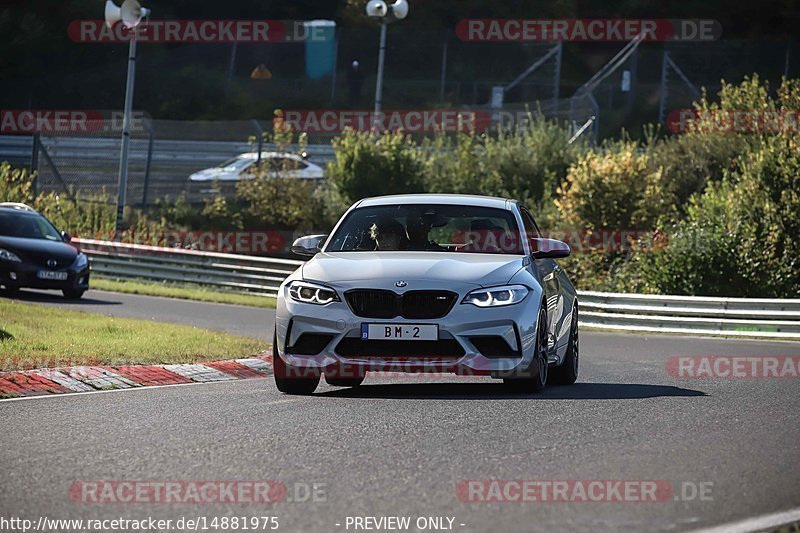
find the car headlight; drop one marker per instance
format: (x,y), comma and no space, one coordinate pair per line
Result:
(496,296)
(9,256)
(311,293)
(81,261)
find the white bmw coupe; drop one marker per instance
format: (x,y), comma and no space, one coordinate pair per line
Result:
(428,283)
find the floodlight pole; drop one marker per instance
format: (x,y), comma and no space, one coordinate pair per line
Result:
(126,137)
(386,13)
(379,83)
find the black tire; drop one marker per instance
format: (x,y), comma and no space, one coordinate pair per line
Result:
(73,294)
(10,290)
(567,373)
(345,376)
(534,383)
(289,379)
(344,382)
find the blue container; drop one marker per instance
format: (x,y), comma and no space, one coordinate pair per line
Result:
(320,48)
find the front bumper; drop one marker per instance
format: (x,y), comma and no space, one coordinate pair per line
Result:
(482,341)
(23,275)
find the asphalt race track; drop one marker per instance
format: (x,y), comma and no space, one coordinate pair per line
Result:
(237,319)
(400,446)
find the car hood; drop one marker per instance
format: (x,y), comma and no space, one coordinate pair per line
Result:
(464,268)
(57,250)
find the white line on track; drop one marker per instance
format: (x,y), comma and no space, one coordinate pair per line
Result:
(757,523)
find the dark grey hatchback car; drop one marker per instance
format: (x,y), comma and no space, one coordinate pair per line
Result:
(34,254)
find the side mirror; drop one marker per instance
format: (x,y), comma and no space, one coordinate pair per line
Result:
(549,248)
(66,236)
(309,245)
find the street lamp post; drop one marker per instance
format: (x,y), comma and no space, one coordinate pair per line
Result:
(386,13)
(131,14)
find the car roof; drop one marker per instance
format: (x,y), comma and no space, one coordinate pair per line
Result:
(267,155)
(445,199)
(17,206)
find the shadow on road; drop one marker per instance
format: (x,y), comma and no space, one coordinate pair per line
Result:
(496,391)
(55,297)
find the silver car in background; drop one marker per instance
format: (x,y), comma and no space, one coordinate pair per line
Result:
(428,283)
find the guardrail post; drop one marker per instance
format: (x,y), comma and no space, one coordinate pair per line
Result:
(148,161)
(35,162)
(260,134)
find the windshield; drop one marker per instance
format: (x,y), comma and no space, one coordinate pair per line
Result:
(427,228)
(27,226)
(236,164)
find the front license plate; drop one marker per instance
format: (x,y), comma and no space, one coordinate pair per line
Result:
(49,274)
(402,332)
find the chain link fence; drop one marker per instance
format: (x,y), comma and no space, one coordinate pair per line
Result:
(447,73)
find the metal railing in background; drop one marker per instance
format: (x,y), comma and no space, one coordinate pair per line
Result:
(239,273)
(733,317)
(159,167)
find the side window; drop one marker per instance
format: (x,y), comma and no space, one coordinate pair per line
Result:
(287,164)
(531,229)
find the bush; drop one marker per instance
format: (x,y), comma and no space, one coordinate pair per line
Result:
(688,163)
(700,256)
(609,189)
(16,185)
(369,165)
(740,235)
(527,163)
(277,203)
(86,216)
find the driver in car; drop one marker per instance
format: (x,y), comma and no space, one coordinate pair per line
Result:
(417,229)
(389,235)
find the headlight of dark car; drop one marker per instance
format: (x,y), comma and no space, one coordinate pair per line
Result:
(496,296)
(81,262)
(312,293)
(9,256)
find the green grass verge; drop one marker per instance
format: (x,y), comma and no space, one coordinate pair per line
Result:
(182,291)
(39,337)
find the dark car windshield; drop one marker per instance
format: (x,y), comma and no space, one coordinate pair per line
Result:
(428,228)
(27,226)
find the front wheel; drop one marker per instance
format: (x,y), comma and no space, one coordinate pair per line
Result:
(290,379)
(73,294)
(11,290)
(537,382)
(567,373)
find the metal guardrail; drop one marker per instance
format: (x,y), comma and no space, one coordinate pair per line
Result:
(194,155)
(238,273)
(733,317)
